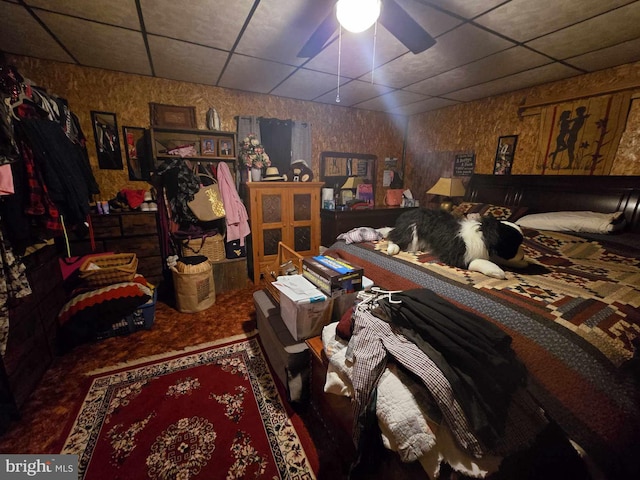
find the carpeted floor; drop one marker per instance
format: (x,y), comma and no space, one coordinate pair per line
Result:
(52,403)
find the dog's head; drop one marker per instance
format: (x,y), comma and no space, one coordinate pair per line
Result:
(504,241)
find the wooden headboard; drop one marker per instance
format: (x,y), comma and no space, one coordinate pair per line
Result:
(550,193)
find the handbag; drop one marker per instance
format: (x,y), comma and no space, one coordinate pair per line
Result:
(207,203)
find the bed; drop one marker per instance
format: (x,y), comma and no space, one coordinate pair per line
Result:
(573,314)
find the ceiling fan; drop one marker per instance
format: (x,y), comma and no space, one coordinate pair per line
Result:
(392,16)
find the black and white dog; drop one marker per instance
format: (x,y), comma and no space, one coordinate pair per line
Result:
(477,245)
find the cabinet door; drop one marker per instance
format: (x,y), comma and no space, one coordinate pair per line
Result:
(301,216)
(283,212)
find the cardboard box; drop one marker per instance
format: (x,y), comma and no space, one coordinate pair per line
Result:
(304,309)
(332,276)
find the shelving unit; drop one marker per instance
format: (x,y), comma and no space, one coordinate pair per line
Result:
(164,139)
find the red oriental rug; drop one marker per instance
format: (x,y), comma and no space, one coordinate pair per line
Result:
(211,412)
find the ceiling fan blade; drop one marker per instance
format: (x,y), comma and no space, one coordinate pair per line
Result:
(320,37)
(405,28)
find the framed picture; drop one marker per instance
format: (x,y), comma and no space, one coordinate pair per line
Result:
(504,155)
(208,147)
(105,133)
(172,116)
(137,153)
(225,147)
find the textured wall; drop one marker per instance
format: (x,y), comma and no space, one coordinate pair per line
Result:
(432,137)
(476,126)
(334,128)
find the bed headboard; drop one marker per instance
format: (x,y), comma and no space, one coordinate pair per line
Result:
(549,193)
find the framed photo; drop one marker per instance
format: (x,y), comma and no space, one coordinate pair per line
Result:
(225,147)
(208,147)
(504,155)
(172,116)
(105,133)
(137,153)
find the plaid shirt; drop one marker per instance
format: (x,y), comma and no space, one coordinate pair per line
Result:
(40,203)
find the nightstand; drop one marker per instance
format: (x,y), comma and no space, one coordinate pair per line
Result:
(335,222)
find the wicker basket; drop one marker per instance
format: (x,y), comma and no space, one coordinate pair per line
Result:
(211,247)
(116,268)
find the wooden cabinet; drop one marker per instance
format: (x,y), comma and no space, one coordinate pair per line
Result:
(126,232)
(32,333)
(287,212)
(335,222)
(208,145)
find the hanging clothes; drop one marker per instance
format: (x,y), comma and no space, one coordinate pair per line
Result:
(236,219)
(13,285)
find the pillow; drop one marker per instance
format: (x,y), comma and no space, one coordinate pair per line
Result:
(590,222)
(500,212)
(360,234)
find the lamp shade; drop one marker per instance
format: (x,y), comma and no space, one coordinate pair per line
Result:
(351,183)
(357,15)
(448,187)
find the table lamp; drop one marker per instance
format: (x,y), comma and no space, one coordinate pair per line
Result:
(447,188)
(347,191)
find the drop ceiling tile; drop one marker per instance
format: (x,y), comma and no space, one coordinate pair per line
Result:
(282,36)
(20,34)
(544,74)
(605,30)
(523,20)
(423,106)
(458,47)
(213,23)
(185,61)
(390,101)
(626,52)
(307,84)
(467,8)
(122,13)
(503,63)
(253,74)
(353,92)
(97,45)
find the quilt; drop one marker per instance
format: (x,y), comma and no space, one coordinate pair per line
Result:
(574,317)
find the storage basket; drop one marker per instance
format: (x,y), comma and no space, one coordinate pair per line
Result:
(116,268)
(211,247)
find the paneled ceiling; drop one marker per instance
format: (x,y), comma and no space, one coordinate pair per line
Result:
(483,47)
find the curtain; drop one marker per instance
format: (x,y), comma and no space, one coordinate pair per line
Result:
(301,142)
(276,139)
(247,125)
(284,140)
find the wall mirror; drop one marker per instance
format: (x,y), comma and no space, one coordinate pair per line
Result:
(347,171)
(105,133)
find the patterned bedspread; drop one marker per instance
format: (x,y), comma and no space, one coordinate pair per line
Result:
(574,316)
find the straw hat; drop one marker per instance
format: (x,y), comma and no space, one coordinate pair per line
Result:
(272,174)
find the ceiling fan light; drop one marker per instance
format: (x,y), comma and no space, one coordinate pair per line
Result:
(357,15)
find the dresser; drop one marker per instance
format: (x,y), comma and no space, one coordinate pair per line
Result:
(335,222)
(285,212)
(32,333)
(125,232)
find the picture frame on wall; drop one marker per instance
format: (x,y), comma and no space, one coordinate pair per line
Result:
(107,138)
(208,147)
(225,147)
(137,153)
(504,155)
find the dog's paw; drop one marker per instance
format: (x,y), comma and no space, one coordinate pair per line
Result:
(393,249)
(487,268)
